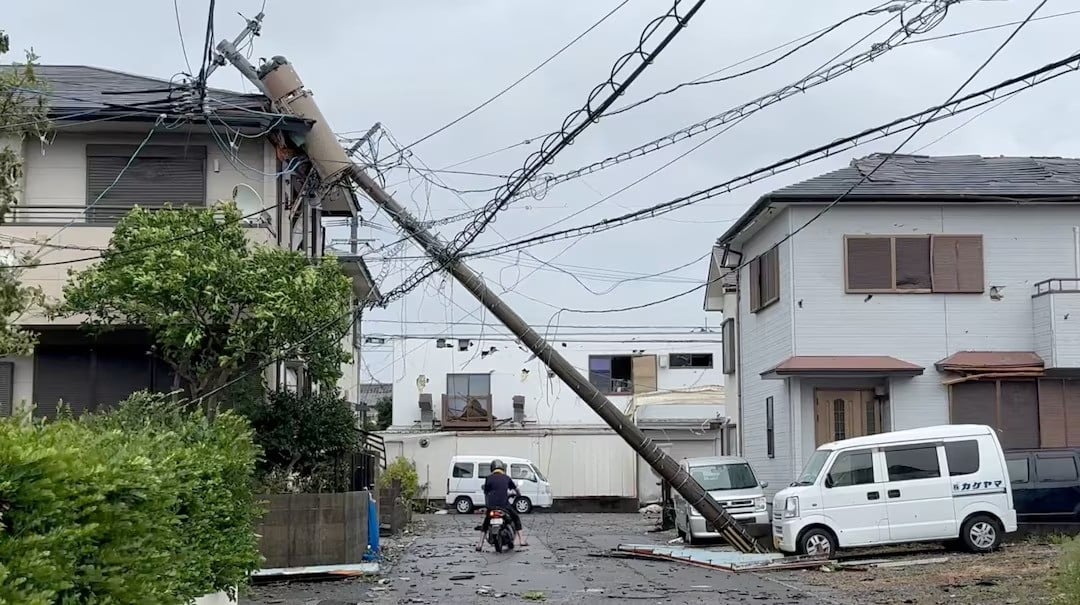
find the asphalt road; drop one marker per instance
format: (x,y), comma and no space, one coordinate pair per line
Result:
(441,566)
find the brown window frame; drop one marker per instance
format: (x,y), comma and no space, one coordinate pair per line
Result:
(935,286)
(760,278)
(727,331)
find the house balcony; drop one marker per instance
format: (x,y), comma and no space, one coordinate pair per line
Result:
(1056,322)
(467,413)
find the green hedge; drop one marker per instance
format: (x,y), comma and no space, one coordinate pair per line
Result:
(143,505)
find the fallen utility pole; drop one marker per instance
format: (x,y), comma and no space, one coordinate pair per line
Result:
(286,90)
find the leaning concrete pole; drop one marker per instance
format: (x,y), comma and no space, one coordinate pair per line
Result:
(286,90)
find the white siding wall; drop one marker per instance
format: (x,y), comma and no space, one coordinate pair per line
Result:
(1057,331)
(765,340)
(548,402)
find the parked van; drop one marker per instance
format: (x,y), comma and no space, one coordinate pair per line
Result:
(1045,484)
(732,483)
(465,483)
(936,484)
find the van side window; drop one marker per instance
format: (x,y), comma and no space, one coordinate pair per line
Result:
(463,470)
(1018,470)
(1056,469)
(521,472)
(851,468)
(483,470)
(962,457)
(912,463)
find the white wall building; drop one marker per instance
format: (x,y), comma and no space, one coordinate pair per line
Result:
(939,291)
(489,395)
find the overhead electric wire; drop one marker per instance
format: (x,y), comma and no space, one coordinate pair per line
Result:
(984,97)
(180,31)
(865,177)
(208,54)
(529,73)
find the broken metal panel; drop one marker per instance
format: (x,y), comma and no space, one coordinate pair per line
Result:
(726,559)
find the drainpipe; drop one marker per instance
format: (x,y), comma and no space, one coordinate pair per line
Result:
(1076,252)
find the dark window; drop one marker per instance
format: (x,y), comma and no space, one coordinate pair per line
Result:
(1018,470)
(1056,469)
(522,472)
(727,333)
(7,381)
(962,457)
(851,468)
(463,470)
(482,471)
(612,374)
(764,280)
(770,432)
(690,360)
(911,463)
(913,263)
(119,177)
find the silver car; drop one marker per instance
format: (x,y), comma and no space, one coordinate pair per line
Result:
(732,483)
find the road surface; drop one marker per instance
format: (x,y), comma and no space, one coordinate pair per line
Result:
(441,566)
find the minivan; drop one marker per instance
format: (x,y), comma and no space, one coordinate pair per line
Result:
(465,483)
(936,484)
(1045,484)
(732,483)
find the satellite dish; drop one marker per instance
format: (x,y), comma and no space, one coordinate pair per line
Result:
(247,200)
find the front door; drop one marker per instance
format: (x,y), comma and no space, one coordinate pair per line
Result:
(845,414)
(853,499)
(920,498)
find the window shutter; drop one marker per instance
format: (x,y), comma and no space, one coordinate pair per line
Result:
(913,263)
(7,379)
(1052,427)
(755,284)
(869,263)
(772,267)
(123,176)
(1019,414)
(61,373)
(727,333)
(957,262)
(973,403)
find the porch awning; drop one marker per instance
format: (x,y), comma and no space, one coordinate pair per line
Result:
(833,366)
(975,365)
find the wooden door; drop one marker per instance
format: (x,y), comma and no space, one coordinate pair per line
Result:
(844,414)
(644,373)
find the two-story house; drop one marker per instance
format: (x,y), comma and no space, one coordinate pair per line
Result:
(486,394)
(119,140)
(938,290)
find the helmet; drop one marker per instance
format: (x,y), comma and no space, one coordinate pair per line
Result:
(498,464)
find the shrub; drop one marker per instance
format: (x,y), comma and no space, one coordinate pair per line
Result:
(1068,580)
(402,469)
(148,504)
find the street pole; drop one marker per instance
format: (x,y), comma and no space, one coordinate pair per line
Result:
(286,90)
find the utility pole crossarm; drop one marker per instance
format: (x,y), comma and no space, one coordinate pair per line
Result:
(286,90)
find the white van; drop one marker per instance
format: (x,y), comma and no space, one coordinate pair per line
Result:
(935,484)
(732,483)
(465,483)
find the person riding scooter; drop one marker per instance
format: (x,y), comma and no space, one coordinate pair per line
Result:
(497,488)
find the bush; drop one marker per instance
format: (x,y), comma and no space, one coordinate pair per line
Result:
(1068,581)
(148,504)
(402,469)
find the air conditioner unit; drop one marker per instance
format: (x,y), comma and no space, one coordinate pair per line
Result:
(662,360)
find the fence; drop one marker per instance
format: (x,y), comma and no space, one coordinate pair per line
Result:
(314,529)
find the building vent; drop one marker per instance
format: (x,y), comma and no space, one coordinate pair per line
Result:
(519,409)
(427,413)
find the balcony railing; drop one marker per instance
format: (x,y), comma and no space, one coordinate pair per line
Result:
(473,412)
(98,215)
(1057,284)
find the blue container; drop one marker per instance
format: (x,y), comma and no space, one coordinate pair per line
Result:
(373,553)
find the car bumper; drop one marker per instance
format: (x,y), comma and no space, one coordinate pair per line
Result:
(784,536)
(698,526)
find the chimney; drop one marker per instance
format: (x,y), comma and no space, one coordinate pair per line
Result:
(519,409)
(427,414)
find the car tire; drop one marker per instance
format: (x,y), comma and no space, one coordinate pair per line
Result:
(463,505)
(523,505)
(818,542)
(981,534)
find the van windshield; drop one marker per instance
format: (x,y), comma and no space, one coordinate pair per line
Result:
(813,468)
(724,476)
(539,475)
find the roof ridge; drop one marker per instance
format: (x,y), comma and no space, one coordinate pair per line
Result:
(143,77)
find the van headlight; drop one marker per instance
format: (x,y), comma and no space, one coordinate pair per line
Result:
(760,504)
(791,507)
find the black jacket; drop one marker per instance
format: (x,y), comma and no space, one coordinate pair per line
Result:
(497,489)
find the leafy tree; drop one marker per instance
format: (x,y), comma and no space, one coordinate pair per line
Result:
(23,113)
(217,306)
(384,413)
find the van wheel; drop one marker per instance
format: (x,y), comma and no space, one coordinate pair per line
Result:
(817,542)
(522,505)
(463,505)
(981,534)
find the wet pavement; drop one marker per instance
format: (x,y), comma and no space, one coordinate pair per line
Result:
(558,566)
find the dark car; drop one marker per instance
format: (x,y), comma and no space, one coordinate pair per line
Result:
(1046,484)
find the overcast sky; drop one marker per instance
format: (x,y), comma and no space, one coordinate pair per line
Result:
(413,65)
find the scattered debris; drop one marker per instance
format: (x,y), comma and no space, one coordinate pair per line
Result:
(487,591)
(534,596)
(442,511)
(652,509)
(460,577)
(864,564)
(315,572)
(725,559)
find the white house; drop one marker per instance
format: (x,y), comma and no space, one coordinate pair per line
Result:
(941,289)
(489,395)
(121,140)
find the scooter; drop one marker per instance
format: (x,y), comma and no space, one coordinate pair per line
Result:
(500,533)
